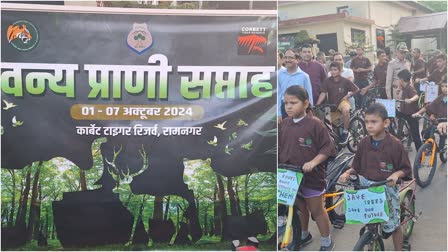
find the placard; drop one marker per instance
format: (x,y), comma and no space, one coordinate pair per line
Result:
(431,93)
(390,106)
(366,206)
(288,183)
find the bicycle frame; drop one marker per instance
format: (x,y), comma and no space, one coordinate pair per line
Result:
(404,189)
(433,153)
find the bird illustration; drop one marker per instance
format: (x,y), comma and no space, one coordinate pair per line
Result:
(233,136)
(227,150)
(9,105)
(241,122)
(213,142)
(16,123)
(220,125)
(247,146)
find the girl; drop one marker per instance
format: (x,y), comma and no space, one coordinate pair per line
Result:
(304,141)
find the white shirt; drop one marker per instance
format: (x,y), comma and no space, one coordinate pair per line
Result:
(346,73)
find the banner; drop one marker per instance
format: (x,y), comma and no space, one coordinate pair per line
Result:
(152,113)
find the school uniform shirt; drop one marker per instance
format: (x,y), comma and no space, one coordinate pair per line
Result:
(317,74)
(437,75)
(301,142)
(360,62)
(437,107)
(379,74)
(407,93)
(417,65)
(337,89)
(377,163)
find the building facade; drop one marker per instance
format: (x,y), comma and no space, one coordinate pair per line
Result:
(341,25)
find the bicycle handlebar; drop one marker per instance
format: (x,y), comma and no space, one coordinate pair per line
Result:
(439,120)
(322,106)
(358,186)
(296,168)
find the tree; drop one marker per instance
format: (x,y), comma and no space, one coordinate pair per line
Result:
(438,6)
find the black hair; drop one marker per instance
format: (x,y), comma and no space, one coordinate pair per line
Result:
(379,52)
(336,64)
(404,75)
(281,55)
(299,92)
(307,46)
(377,109)
(417,50)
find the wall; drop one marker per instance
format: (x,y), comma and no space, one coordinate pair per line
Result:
(321,28)
(304,9)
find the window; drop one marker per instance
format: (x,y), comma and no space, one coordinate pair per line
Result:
(380,39)
(358,36)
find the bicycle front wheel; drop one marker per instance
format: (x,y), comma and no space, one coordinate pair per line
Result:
(404,134)
(357,131)
(368,243)
(296,229)
(423,171)
(408,203)
(443,153)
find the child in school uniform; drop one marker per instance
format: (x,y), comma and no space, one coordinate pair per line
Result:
(436,109)
(410,106)
(304,141)
(339,90)
(381,156)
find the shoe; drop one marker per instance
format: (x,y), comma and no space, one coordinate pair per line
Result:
(327,248)
(306,241)
(344,138)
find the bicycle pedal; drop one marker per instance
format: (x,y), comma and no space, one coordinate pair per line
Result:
(339,224)
(415,218)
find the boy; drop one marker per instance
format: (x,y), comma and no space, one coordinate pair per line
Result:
(409,107)
(436,109)
(338,89)
(381,156)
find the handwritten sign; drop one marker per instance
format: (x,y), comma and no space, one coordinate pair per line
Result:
(390,106)
(423,85)
(366,206)
(288,183)
(431,93)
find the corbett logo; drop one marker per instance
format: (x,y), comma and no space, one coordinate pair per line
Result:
(301,140)
(341,90)
(252,41)
(22,35)
(139,38)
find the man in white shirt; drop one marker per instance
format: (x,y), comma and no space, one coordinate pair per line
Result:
(346,72)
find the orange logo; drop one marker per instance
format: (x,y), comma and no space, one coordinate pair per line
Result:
(18,32)
(254,42)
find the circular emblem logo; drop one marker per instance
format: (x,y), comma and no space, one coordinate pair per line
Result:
(309,141)
(22,35)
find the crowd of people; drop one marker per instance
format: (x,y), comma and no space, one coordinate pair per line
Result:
(305,81)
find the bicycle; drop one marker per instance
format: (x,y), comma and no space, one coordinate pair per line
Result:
(426,161)
(403,130)
(334,196)
(289,227)
(357,128)
(371,236)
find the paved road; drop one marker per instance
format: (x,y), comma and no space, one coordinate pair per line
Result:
(430,232)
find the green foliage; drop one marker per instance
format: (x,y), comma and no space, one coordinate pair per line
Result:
(437,6)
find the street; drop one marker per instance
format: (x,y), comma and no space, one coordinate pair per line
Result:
(430,231)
